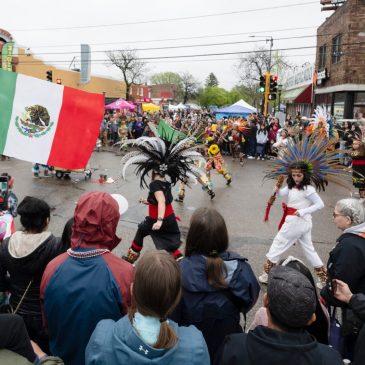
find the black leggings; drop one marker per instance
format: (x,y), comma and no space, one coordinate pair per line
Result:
(166,238)
(14,336)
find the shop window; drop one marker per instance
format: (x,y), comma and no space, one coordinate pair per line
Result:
(339,105)
(336,48)
(322,57)
(359,105)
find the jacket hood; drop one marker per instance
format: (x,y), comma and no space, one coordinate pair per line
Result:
(22,244)
(268,346)
(95,221)
(359,230)
(195,265)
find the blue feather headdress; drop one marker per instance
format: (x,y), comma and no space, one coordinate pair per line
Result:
(319,157)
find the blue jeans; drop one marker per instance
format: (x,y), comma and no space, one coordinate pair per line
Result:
(260,150)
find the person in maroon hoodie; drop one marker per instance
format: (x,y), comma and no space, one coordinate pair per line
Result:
(88,283)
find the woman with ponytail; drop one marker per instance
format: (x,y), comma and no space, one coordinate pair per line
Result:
(217,284)
(146,335)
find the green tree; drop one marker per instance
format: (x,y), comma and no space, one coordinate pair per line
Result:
(214,96)
(170,78)
(211,80)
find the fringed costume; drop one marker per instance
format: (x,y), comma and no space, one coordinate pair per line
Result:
(215,160)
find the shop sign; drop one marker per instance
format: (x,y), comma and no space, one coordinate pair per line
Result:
(322,76)
(7,56)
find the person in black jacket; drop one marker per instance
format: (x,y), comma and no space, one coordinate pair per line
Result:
(347,262)
(356,302)
(217,284)
(290,302)
(24,256)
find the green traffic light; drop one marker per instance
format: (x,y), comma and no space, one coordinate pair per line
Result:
(261,89)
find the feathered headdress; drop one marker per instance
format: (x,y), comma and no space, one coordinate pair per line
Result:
(164,155)
(322,120)
(316,155)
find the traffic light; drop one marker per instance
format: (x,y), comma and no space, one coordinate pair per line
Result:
(59,81)
(49,76)
(273,87)
(262,84)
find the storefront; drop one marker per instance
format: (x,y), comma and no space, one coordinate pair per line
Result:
(340,71)
(298,100)
(343,104)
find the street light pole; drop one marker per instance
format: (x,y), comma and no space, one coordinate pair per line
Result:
(271,40)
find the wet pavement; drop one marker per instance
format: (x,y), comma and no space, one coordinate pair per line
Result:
(242,204)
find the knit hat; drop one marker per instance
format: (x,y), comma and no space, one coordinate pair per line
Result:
(291,296)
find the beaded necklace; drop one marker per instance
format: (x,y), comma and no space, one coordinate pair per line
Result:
(87,254)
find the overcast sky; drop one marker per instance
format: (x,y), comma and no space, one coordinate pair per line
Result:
(112,24)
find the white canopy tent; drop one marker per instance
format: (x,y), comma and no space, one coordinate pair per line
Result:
(180,106)
(244,104)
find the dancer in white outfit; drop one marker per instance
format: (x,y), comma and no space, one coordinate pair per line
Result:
(307,161)
(296,224)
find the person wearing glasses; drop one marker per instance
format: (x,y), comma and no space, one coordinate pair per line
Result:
(347,263)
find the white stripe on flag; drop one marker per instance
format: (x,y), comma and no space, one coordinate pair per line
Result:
(31,91)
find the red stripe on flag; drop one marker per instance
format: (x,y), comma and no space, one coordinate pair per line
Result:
(78,126)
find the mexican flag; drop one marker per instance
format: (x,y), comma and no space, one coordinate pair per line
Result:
(47,123)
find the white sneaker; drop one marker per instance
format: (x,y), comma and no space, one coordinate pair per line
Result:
(263,278)
(250,157)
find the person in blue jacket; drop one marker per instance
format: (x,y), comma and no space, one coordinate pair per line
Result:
(217,284)
(146,335)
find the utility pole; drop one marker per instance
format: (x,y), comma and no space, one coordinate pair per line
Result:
(267,91)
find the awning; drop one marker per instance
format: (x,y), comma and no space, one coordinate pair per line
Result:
(299,95)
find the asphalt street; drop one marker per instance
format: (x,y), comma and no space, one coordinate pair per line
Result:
(242,204)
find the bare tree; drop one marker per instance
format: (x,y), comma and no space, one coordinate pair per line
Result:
(131,66)
(190,86)
(255,64)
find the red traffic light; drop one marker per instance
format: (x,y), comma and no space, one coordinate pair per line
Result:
(59,81)
(275,78)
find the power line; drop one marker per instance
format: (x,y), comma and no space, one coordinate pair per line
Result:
(177,39)
(191,45)
(169,19)
(101,62)
(208,54)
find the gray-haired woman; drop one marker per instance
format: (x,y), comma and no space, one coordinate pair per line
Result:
(347,263)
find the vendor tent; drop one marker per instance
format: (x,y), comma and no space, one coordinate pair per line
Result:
(173,107)
(245,105)
(233,111)
(193,107)
(150,107)
(121,104)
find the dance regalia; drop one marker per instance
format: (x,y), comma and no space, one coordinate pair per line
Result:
(215,161)
(312,158)
(358,170)
(166,157)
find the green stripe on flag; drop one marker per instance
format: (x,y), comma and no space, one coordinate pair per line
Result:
(168,133)
(7,91)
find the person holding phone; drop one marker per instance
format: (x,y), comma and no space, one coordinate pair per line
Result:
(349,252)
(342,292)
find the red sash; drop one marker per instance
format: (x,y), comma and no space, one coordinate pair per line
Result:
(153,211)
(358,162)
(286,211)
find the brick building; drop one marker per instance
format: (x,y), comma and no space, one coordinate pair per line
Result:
(139,93)
(163,92)
(340,61)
